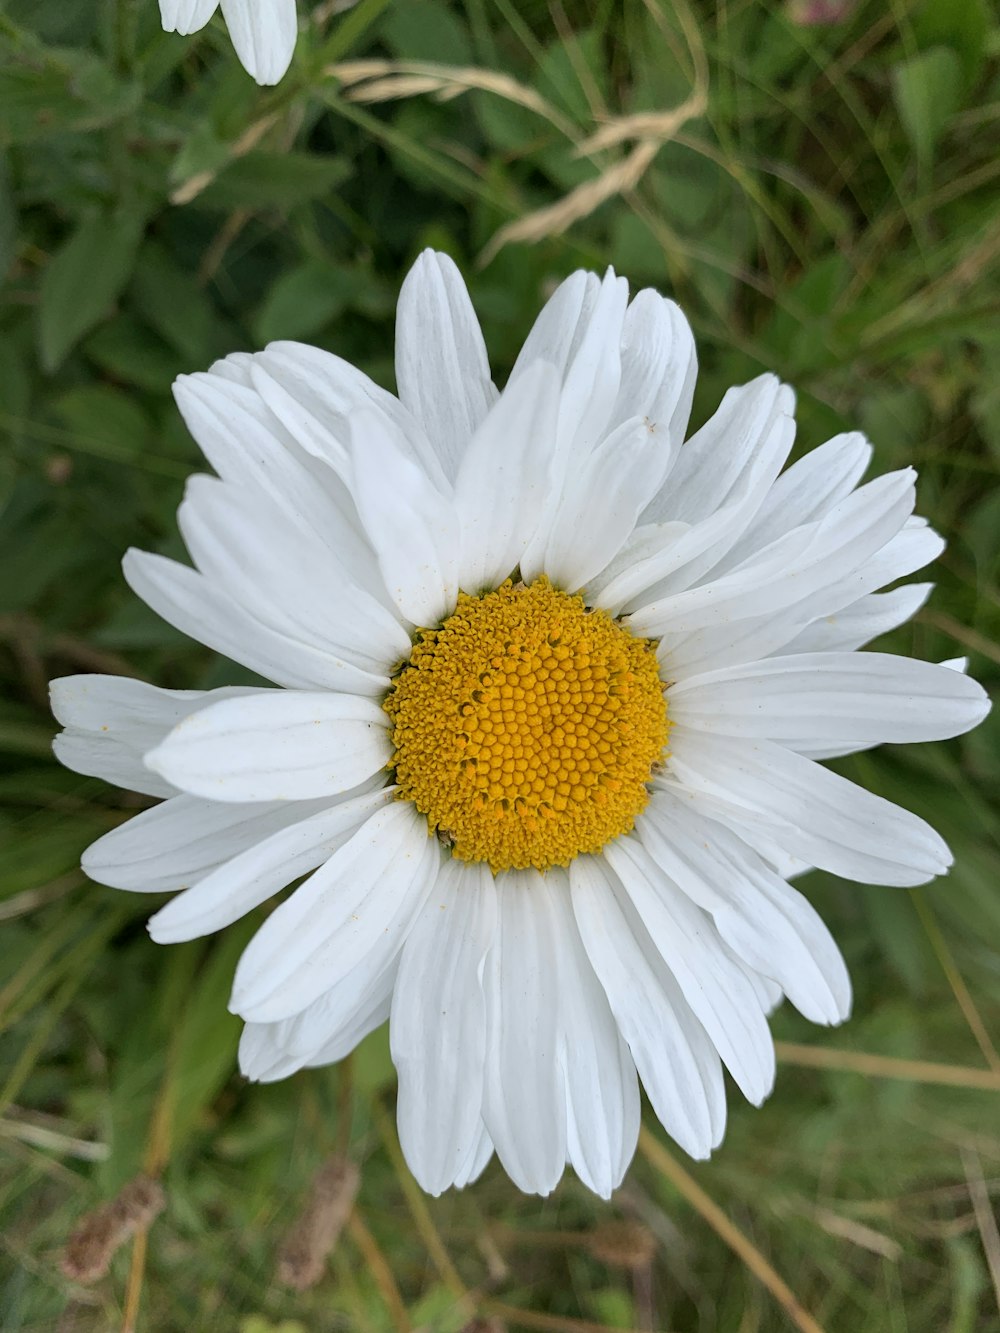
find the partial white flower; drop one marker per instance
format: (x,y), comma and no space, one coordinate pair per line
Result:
(553,686)
(263,31)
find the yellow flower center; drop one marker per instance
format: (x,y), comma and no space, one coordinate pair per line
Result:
(527,727)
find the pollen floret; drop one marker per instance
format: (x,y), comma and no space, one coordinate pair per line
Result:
(527,726)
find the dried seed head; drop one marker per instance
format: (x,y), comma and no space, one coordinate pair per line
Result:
(623,1245)
(101,1233)
(302,1258)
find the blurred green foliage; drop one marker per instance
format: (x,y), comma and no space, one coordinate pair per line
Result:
(831,216)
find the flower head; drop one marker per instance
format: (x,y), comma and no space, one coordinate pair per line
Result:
(553,686)
(263,31)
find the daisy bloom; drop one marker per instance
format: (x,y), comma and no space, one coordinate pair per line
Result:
(553,687)
(263,31)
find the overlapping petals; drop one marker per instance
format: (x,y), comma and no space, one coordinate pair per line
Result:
(342,518)
(262,31)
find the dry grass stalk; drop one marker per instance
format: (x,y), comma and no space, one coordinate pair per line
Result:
(249,139)
(43,1131)
(104,1230)
(380,1269)
(387,80)
(968,638)
(887,1066)
(656,125)
(728,1232)
(579,203)
(866,1238)
(328,9)
(520,1318)
(986,1220)
(311,1241)
(652,129)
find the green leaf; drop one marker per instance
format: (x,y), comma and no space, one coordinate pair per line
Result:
(964,25)
(303,302)
(426,30)
(169,298)
(8,219)
(928,90)
(897,928)
(613,1307)
(373,1067)
(52,19)
(350,29)
(99,413)
(800,331)
(205,1054)
(83,280)
(64,90)
(560,79)
(274,180)
(130,351)
(17,357)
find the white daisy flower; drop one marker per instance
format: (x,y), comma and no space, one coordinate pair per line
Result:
(263,31)
(552,691)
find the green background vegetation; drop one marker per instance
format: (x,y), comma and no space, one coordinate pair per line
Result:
(830,214)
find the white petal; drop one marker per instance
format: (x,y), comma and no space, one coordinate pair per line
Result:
(763,435)
(286,580)
(715,988)
(275,746)
(442,370)
(316,394)
(411,524)
(236,367)
(769,993)
(602,1091)
(767,924)
(806,491)
(259,872)
(786,866)
(798,629)
(579,331)
(186,16)
(246,444)
(710,465)
(525,1098)
(179,842)
(343,926)
(321,1034)
(478,1160)
(503,479)
(818,700)
(109,759)
(679,1067)
(812,812)
(914,546)
(861,621)
(600,502)
(757,588)
(263,33)
(659,368)
(122,707)
(787,574)
(112,721)
(438,1025)
(370,1014)
(648,541)
(189,602)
